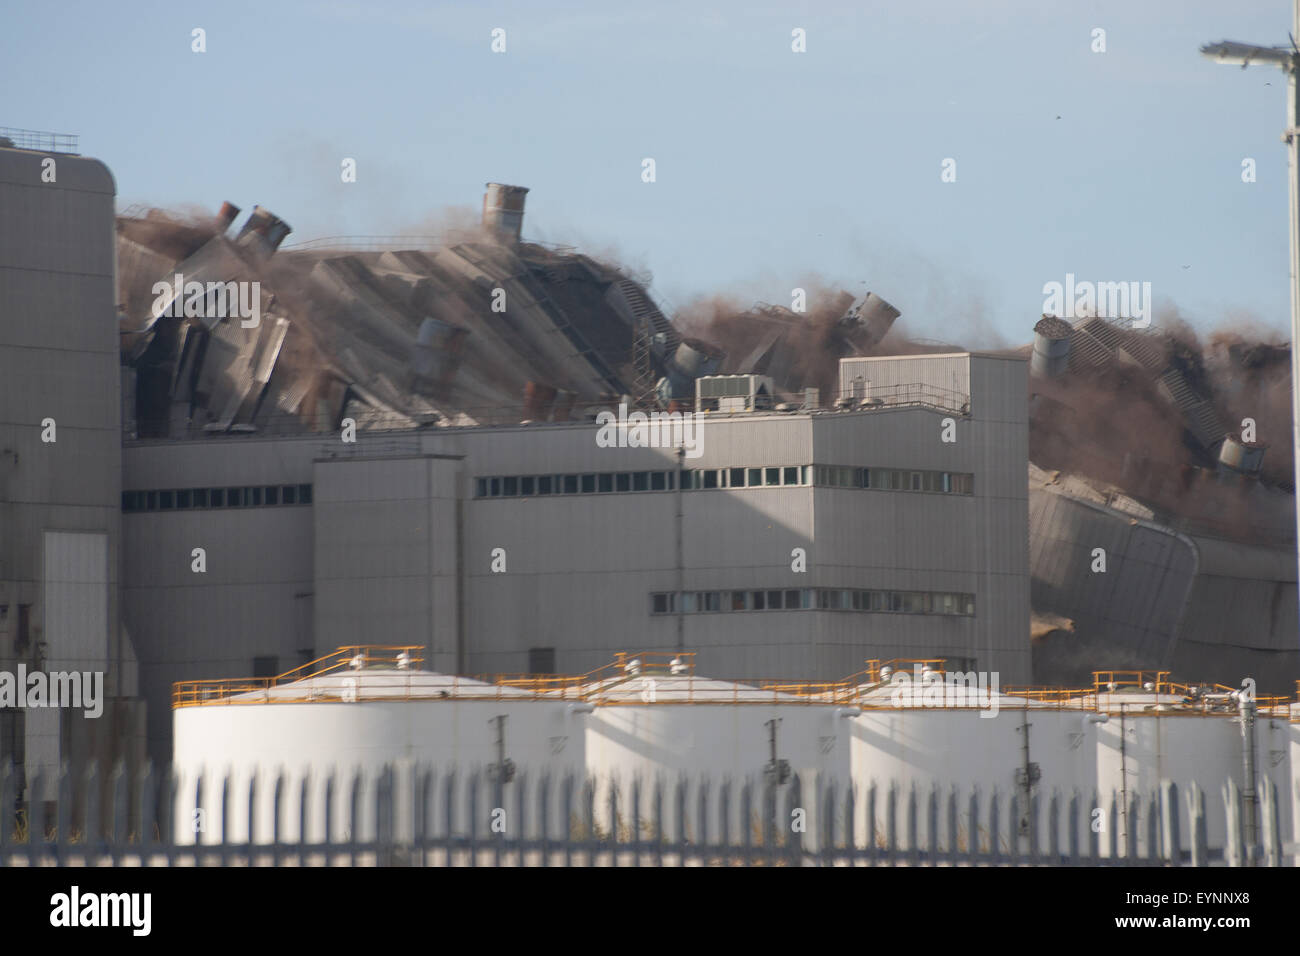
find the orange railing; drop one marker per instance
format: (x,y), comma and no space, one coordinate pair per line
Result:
(635,674)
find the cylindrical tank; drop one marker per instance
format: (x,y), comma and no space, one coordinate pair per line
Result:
(653,725)
(996,742)
(1051,355)
(1152,737)
(503,210)
(347,721)
(1243,457)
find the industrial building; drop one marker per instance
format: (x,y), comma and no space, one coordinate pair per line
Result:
(506,455)
(61,454)
(796,544)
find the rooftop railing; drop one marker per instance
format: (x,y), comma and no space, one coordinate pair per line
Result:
(38,140)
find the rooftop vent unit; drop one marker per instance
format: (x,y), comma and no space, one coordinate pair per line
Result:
(733,393)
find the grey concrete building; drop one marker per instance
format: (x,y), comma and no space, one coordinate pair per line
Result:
(60,453)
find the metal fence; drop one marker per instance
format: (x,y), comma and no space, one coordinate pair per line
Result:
(40,140)
(416,815)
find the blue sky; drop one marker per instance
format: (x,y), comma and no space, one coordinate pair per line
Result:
(773,168)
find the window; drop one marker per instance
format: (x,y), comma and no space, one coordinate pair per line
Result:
(544,484)
(509,487)
(711,478)
(688,602)
(541,660)
(772,476)
(659,603)
(755,477)
(657,482)
(253,496)
(290,495)
(623,482)
(736,478)
(740,600)
(641,480)
(304,494)
(774,600)
(571,484)
(271,494)
(757,601)
(151,501)
(603,482)
(791,600)
(266,667)
(527,485)
(792,476)
(494,487)
(710,601)
(183,498)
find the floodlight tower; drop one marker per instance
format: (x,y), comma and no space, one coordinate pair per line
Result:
(1287,59)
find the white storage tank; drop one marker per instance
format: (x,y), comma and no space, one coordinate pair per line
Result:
(1159,730)
(922,726)
(656,720)
(361,708)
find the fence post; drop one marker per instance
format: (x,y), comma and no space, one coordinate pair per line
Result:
(544,789)
(1054,826)
(118,781)
(747,820)
(1014,824)
(1232,850)
(1269,823)
(354,814)
(1196,816)
(872,847)
(1172,839)
(36,818)
(932,823)
(702,784)
(637,836)
(304,815)
(1113,834)
(8,810)
(63,813)
(331,814)
(913,827)
(995,828)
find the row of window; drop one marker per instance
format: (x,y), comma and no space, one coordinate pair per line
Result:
(247,496)
(895,479)
(822,599)
(831,476)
